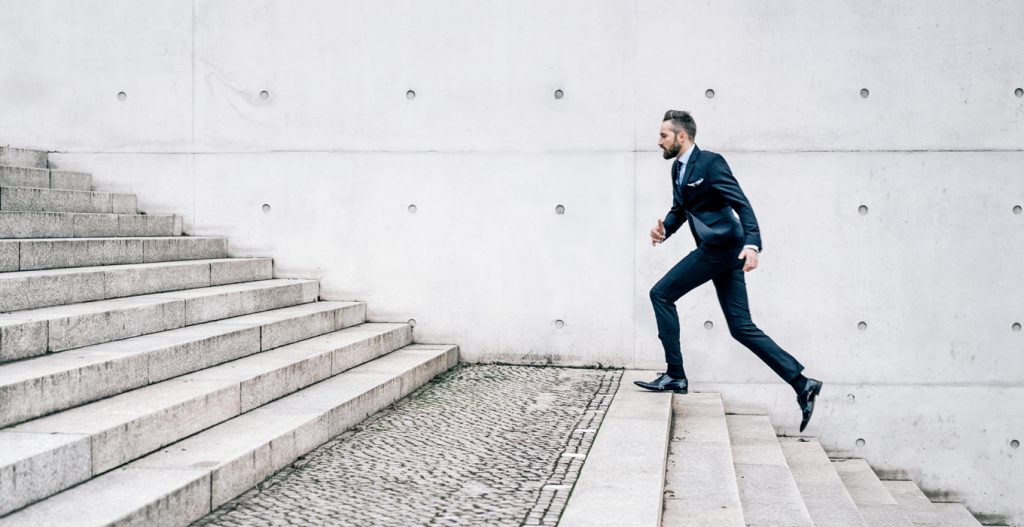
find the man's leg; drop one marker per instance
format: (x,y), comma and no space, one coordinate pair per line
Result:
(732,295)
(690,272)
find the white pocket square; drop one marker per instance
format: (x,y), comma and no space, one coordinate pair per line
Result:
(695,183)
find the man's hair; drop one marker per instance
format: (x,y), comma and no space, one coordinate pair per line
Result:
(682,122)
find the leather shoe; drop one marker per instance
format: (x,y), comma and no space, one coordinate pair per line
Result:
(665,383)
(805,398)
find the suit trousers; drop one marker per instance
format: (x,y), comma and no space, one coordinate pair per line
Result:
(721,266)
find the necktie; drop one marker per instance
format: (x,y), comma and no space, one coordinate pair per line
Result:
(677,169)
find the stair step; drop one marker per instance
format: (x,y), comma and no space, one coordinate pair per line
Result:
(922,512)
(768,492)
(36,387)
(875,503)
(32,333)
(826,498)
(59,253)
(89,440)
(700,483)
(28,224)
(184,481)
(33,289)
(54,200)
(623,477)
(22,157)
(11,176)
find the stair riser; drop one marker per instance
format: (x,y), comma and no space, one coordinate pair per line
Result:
(52,200)
(217,401)
(21,157)
(44,178)
(44,254)
(15,225)
(64,463)
(18,293)
(121,372)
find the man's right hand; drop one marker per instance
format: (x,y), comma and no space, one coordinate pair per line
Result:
(658,233)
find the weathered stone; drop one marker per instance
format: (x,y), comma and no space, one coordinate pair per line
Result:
(69,180)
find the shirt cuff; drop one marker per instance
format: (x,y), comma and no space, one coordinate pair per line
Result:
(754,247)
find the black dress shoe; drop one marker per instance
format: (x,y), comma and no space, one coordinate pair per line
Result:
(664,383)
(806,400)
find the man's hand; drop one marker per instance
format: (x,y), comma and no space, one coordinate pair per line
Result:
(750,255)
(658,233)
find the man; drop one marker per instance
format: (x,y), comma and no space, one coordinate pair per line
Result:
(705,192)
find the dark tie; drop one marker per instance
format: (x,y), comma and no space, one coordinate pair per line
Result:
(676,167)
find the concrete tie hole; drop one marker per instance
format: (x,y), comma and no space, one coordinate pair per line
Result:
(1014,444)
(1019,92)
(1017,209)
(410,95)
(863,210)
(1015,327)
(265,207)
(559,324)
(709,93)
(121,96)
(264,95)
(559,94)
(861,442)
(560,209)
(709,324)
(851,398)
(412,209)
(864,93)
(412,322)
(862,326)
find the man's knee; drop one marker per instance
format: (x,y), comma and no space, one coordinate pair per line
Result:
(743,330)
(657,295)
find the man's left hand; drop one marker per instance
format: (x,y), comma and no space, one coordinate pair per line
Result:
(750,257)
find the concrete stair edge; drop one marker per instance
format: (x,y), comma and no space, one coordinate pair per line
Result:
(173,487)
(21,224)
(920,510)
(76,444)
(826,497)
(56,200)
(35,177)
(23,157)
(874,501)
(63,253)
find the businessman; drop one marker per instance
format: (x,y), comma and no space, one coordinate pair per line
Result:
(705,194)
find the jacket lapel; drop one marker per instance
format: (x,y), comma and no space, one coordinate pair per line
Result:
(688,174)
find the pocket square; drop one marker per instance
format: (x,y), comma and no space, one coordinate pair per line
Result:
(695,183)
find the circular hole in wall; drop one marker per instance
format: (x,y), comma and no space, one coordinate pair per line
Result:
(864,93)
(861,442)
(862,326)
(710,94)
(122,96)
(863,210)
(412,209)
(410,95)
(1019,92)
(412,322)
(1015,326)
(559,324)
(264,95)
(1017,209)
(708,324)
(1014,444)
(851,398)
(560,209)
(559,94)
(265,207)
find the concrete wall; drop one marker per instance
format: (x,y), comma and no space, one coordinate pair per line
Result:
(339,151)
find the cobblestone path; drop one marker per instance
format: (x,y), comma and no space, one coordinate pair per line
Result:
(479,445)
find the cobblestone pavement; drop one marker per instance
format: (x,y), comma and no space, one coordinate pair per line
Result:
(479,445)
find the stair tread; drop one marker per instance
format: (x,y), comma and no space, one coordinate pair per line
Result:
(182,481)
(622,480)
(826,498)
(871,497)
(922,512)
(102,268)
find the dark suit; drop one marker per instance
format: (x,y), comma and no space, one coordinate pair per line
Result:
(706,197)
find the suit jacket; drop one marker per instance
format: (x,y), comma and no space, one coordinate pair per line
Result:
(707,198)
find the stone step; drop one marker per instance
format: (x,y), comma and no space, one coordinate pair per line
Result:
(768,492)
(876,505)
(923,513)
(700,482)
(58,253)
(54,287)
(44,178)
(39,386)
(623,478)
(53,453)
(27,224)
(22,157)
(36,332)
(826,498)
(186,480)
(54,200)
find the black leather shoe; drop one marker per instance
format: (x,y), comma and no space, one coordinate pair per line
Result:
(806,400)
(665,383)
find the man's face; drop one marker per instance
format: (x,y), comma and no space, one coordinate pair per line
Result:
(669,140)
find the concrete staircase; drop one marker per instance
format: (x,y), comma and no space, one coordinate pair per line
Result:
(714,468)
(146,377)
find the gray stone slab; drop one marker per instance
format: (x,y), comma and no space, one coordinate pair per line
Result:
(52,200)
(31,289)
(62,253)
(16,224)
(94,225)
(21,338)
(9,256)
(753,440)
(183,248)
(157,278)
(218,302)
(311,320)
(98,322)
(922,512)
(826,498)
(22,157)
(241,270)
(36,465)
(129,497)
(185,350)
(623,479)
(123,204)
(875,503)
(24,177)
(150,225)
(70,180)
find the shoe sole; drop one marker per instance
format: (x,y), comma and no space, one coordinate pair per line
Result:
(682,392)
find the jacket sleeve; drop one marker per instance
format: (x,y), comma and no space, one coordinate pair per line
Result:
(725,183)
(674,219)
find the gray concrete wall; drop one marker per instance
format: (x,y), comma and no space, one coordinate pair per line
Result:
(486,152)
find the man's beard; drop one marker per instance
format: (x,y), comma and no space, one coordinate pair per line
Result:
(671,151)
